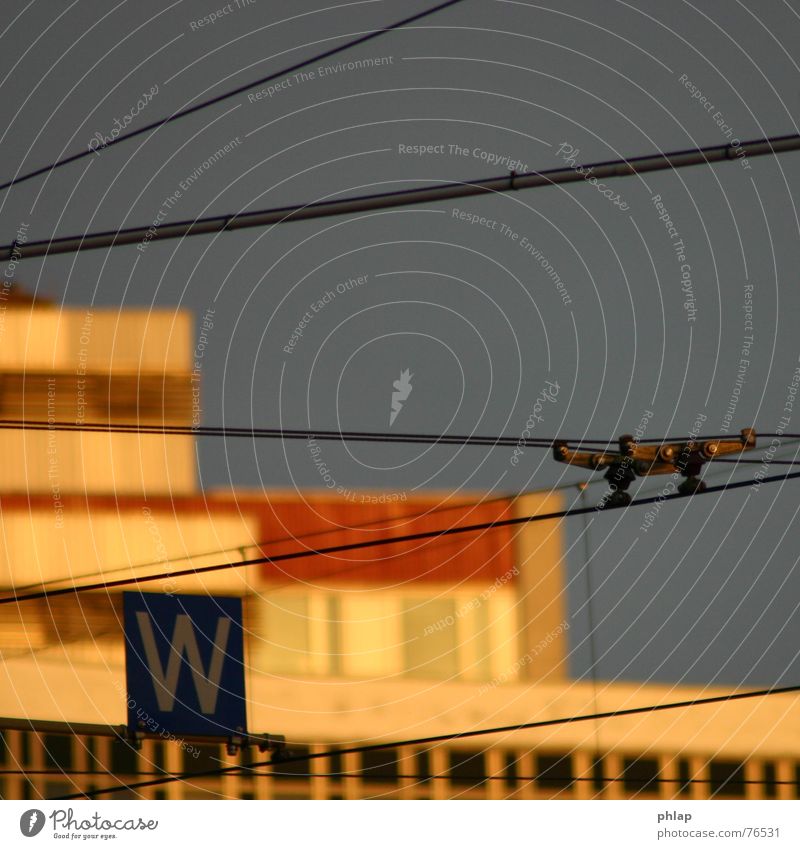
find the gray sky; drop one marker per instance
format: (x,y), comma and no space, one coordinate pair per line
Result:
(710,591)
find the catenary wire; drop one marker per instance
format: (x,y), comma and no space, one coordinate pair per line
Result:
(371,776)
(347,436)
(422,535)
(509,496)
(324,532)
(544,779)
(277,540)
(353,567)
(286,433)
(759,462)
(390,200)
(211,101)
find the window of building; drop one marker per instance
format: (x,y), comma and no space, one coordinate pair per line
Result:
(770,780)
(640,775)
(90,746)
(598,775)
(378,632)
(685,778)
(554,771)
(475,639)
(334,629)
(371,634)
(124,758)
(58,751)
(467,767)
(511,770)
(293,770)
(201,757)
(335,763)
(380,765)
(423,765)
(727,778)
(430,641)
(286,638)
(159,760)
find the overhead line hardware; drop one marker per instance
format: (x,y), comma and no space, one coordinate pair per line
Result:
(632,460)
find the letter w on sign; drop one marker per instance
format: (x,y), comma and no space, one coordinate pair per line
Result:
(184,640)
(184,664)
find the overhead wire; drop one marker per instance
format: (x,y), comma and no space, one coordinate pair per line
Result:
(335,573)
(775,146)
(353,567)
(444,738)
(369,775)
(351,435)
(277,540)
(742,461)
(405,538)
(391,200)
(211,101)
(508,496)
(543,779)
(284,433)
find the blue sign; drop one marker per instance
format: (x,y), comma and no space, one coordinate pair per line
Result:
(184,657)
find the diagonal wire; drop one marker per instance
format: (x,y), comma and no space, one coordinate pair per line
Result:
(422,535)
(190,110)
(446,738)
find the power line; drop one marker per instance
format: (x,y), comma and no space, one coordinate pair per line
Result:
(760,462)
(190,110)
(448,738)
(549,782)
(284,433)
(293,538)
(345,435)
(405,197)
(509,496)
(415,537)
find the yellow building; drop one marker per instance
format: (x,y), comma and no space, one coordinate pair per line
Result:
(407,641)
